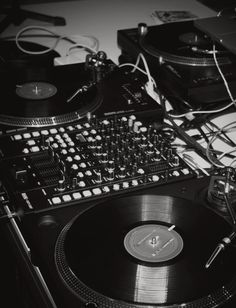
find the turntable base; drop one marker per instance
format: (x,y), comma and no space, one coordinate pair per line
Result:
(146,250)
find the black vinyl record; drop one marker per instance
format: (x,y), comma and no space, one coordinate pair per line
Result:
(182,43)
(40,96)
(11,57)
(147,251)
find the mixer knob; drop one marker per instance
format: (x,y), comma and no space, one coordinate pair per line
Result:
(117,138)
(98,176)
(122,172)
(61,185)
(111,165)
(136,126)
(110,175)
(143,141)
(169,154)
(92,142)
(107,139)
(150,149)
(134,169)
(155,140)
(157,156)
(104,158)
(137,159)
(74,183)
(99,150)
(175,161)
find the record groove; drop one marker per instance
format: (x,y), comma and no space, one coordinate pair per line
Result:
(181,43)
(43,96)
(93,262)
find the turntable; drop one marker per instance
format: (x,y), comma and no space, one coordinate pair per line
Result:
(181,61)
(146,250)
(44,96)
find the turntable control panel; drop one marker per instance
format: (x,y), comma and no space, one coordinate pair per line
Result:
(57,166)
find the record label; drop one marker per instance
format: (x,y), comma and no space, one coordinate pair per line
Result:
(153,243)
(36,90)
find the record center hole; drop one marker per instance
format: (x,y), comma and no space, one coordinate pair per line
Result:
(153,243)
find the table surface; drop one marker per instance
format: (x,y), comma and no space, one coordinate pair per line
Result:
(103,18)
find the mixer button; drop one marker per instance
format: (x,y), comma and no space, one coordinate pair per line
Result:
(83,165)
(25,151)
(87,193)
(116,187)
(77,195)
(31,142)
(65,135)
(35,134)
(17,137)
(55,146)
(80,174)
(44,132)
(70,128)
(155,178)
(71,150)
(82,184)
(53,131)
(125,185)
(87,125)
(60,141)
(140,171)
(93,132)
(69,159)
(61,129)
(71,144)
(176,173)
(77,157)
(26,135)
(34,149)
(185,171)
(66,198)
(106,189)
(85,133)
(56,200)
(74,166)
(97,191)
(134,183)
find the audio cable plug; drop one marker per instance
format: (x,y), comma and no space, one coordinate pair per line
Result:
(151,91)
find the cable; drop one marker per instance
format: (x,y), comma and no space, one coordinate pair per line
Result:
(135,67)
(38,28)
(80,45)
(233,101)
(225,128)
(191,113)
(222,75)
(71,39)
